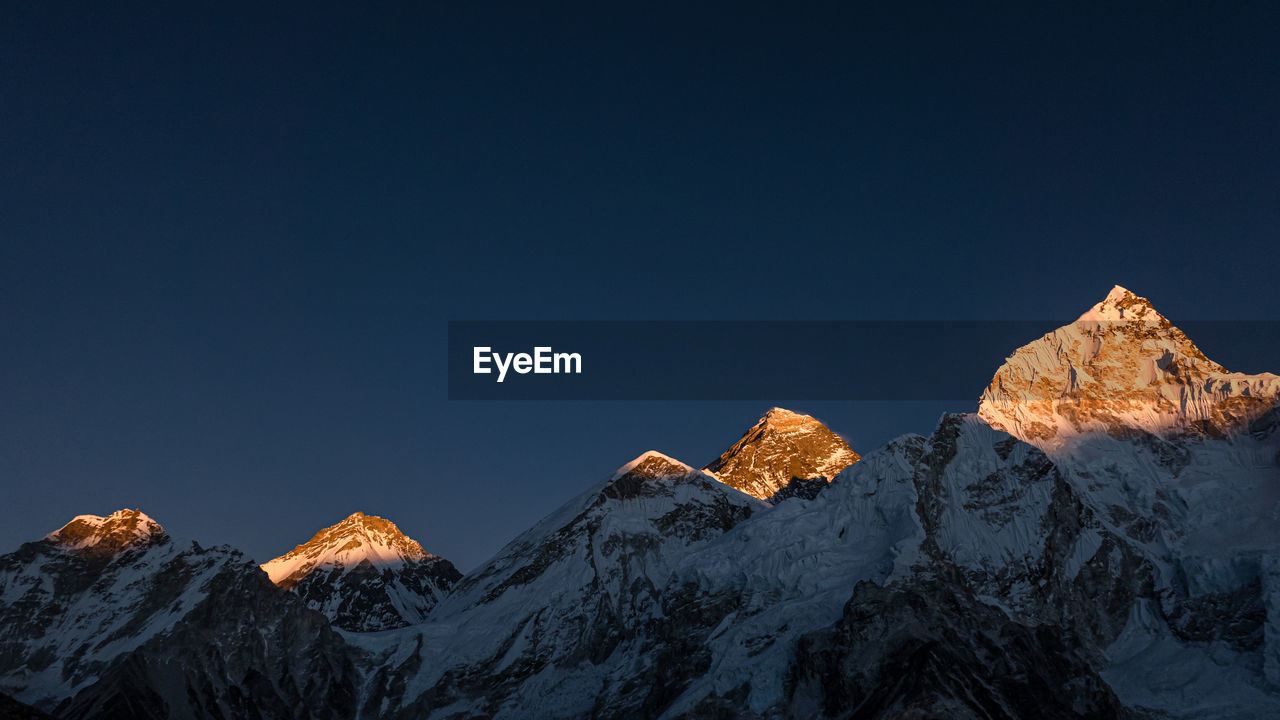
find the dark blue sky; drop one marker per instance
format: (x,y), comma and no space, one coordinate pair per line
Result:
(230,238)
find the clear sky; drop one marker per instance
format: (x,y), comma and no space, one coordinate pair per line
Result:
(231,237)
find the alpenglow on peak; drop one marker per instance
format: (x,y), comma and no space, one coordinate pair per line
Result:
(359,538)
(364,574)
(653,465)
(1120,367)
(784,454)
(108,535)
(1122,305)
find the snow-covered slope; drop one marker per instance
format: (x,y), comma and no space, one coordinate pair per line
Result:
(558,620)
(364,575)
(662,593)
(1179,460)
(959,526)
(112,617)
(783,455)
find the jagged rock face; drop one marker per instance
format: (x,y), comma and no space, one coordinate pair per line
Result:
(553,621)
(1120,368)
(159,628)
(366,598)
(365,575)
(926,648)
(783,455)
(11,709)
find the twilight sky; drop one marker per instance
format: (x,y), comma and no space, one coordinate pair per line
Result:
(230,238)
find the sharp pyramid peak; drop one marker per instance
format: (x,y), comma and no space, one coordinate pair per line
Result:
(782,447)
(1122,304)
(1121,367)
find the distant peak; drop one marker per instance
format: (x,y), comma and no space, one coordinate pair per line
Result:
(357,538)
(781,448)
(650,473)
(653,465)
(107,535)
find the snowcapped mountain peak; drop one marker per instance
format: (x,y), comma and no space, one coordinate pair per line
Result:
(108,535)
(1120,367)
(648,474)
(358,539)
(784,449)
(1121,305)
(653,465)
(364,574)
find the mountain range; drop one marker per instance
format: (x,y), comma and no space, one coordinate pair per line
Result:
(1099,539)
